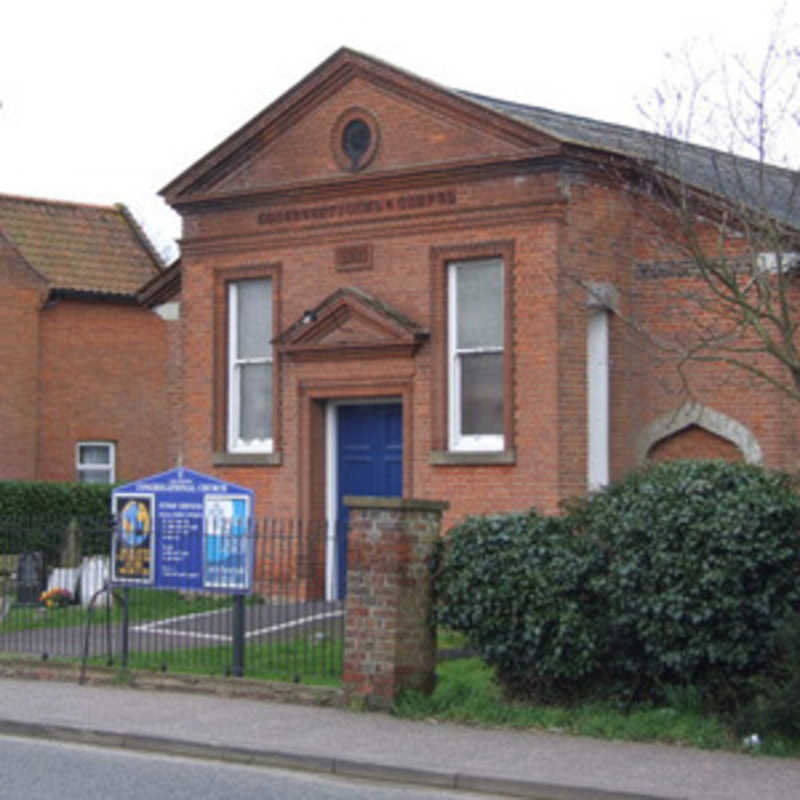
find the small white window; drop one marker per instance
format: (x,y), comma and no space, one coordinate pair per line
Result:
(250,366)
(95,462)
(475,354)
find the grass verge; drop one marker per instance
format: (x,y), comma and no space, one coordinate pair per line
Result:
(144,605)
(292,661)
(467,692)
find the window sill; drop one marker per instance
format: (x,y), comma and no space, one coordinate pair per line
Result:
(248,459)
(449,458)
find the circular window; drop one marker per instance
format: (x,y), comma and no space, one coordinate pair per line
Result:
(355,139)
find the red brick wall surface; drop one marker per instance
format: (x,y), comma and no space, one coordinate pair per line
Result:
(19,346)
(694,442)
(103,373)
(401,276)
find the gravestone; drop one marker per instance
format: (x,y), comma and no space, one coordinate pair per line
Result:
(71,545)
(94,575)
(64,578)
(30,577)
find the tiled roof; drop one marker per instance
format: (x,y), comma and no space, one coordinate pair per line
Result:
(724,174)
(80,248)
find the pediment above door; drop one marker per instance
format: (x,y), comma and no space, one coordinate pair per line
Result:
(351,323)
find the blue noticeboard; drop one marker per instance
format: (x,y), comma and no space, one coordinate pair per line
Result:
(182,530)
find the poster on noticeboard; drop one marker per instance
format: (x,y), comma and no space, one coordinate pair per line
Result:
(132,539)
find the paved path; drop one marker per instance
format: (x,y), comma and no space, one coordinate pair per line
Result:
(498,762)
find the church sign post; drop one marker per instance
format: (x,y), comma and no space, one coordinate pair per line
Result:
(186,531)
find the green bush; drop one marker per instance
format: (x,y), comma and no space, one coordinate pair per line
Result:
(34,516)
(775,706)
(676,576)
(520,587)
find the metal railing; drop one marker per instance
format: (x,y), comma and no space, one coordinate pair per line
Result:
(289,627)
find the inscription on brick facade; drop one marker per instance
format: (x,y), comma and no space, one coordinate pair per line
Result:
(356,208)
(353,257)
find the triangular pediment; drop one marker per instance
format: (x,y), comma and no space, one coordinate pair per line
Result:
(412,124)
(350,321)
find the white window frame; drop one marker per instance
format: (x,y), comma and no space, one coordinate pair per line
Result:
(235,443)
(457,441)
(110,467)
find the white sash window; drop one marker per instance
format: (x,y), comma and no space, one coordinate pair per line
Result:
(94,462)
(475,354)
(250,366)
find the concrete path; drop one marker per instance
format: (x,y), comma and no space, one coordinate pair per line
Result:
(380,747)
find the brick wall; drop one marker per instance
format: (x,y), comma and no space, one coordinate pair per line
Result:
(694,442)
(173,399)
(400,274)
(19,348)
(103,373)
(614,236)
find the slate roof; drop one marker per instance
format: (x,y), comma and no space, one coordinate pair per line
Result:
(80,248)
(725,174)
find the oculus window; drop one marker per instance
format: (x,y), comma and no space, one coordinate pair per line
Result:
(475,355)
(250,366)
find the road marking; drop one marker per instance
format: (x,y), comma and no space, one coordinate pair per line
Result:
(156,627)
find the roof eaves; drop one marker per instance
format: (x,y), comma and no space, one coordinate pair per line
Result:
(163,287)
(93,295)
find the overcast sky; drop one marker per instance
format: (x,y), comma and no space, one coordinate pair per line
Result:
(108,101)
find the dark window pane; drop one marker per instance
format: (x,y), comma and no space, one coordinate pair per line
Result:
(481,394)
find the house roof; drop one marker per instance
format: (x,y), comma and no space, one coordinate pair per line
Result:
(731,176)
(80,248)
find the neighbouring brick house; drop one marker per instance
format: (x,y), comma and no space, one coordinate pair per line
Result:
(380,297)
(89,345)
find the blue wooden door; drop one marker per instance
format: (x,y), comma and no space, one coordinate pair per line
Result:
(369,461)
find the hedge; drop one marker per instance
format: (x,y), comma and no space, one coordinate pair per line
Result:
(678,575)
(34,516)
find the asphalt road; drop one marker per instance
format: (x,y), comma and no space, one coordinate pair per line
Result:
(31,768)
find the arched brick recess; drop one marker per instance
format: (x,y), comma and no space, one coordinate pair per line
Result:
(694,415)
